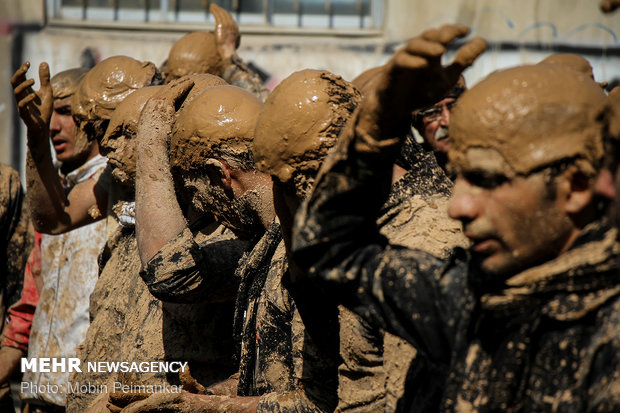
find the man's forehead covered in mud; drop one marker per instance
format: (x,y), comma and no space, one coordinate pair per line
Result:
(301,121)
(109,83)
(532,116)
(195,52)
(218,123)
(65,83)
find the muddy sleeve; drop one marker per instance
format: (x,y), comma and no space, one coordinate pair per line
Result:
(237,73)
(603,375)
(337,244)
(17,235)
(185,270)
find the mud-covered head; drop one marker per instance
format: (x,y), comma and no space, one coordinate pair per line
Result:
(118,143)
(104,87)
(193,53)
(210,154)
(570,60)
(65,83)
(218,123)
(301,121)
(201,81)
(526,147)
(532,116)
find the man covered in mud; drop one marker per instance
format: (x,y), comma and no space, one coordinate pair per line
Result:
(213,53)
(69,267)
(212,157)
(56,211)
(520,320)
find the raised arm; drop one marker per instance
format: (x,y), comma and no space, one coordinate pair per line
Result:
(53,211)
(159,218)
(337,240)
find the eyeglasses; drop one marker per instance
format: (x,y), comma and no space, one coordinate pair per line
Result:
(434,112)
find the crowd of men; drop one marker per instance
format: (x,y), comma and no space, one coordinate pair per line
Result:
(398,242)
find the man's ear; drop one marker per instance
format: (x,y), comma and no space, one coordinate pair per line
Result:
(580,190)
(605,184)
(223,174)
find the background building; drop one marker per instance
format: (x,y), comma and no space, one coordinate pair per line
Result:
(282,36)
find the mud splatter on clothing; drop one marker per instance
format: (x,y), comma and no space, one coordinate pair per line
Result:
(547,340)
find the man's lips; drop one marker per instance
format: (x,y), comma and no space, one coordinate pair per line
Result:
(484,245)
(59,144)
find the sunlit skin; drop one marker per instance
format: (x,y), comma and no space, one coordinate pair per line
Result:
(72,149)
(436,122)
(512,221)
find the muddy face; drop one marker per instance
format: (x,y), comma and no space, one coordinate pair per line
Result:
(72,149)
(316,105)
(507,131)
(215,129)
(513,223)
(118,144)
(193,53)
(236,211)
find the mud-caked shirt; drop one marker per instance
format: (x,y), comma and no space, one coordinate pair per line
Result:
(279,361)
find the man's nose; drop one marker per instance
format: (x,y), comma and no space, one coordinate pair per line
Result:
(444,118)
(463,204)
(55,124)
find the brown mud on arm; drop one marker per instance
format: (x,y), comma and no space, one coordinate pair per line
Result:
(53,211)
(340,214)
(159,218)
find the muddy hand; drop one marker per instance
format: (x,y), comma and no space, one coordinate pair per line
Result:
(158,113)
(34,107)
(226,32)
(415,76)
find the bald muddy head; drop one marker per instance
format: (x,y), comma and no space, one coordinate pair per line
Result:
(118,143)
(65,83)
(570,60)
(193,53)
(104,87)
(533,116)
(201,81)
(210,151)
(301,121)
(72,149)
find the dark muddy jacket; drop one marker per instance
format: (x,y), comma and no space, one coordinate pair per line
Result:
(279,361)
(546,340)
